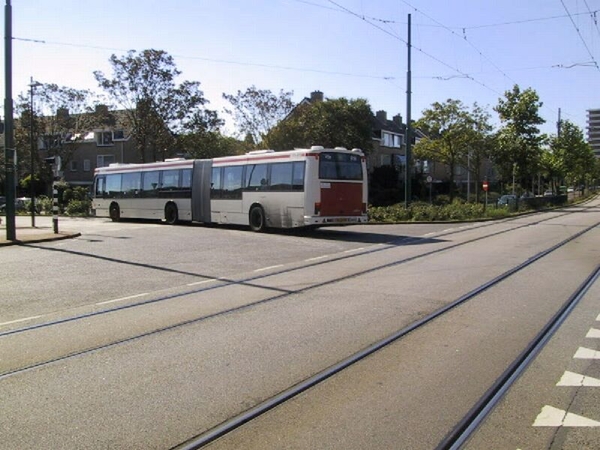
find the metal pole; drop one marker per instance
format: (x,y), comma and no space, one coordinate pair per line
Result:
(407,177)
(31,179)
(9,144)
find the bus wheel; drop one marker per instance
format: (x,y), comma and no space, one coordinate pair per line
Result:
(257,219)
(171,214)
(114,212)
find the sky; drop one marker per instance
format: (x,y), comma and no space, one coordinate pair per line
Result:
(469,50)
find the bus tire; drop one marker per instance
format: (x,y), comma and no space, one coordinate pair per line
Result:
(257,219)
(114,212)
(171,214)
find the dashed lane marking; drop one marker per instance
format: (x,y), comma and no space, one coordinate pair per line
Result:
(121,299)
(554,417)
(316,258)
(200,282)
(575,379)
(20,320)
(269,268)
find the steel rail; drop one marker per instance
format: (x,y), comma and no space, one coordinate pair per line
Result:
(228,426)
(194,320)
(248,281)
(471,421)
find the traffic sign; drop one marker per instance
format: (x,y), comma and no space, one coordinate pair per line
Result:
(485,186)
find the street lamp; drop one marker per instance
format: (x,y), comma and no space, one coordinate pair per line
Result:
(32,86)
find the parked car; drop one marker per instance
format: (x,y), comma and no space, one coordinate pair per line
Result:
(548,193)
(507,200)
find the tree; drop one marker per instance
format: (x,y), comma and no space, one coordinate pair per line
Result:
(59,121)
(156,109)
(572,157)
(330,123)
(256,111)
(519,140)
(449,132)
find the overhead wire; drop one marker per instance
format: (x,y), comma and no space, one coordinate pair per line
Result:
(580,36)
(438,60)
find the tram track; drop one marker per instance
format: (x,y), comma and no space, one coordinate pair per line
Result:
(250,392)
(248,281)
(224,283)
(477,414)
(281,294)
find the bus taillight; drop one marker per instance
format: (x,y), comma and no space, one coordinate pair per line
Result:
(317,208)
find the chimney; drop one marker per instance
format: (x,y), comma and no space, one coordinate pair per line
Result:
(62,113)
(101,109)
(381,116)
(397,120)
(316,96)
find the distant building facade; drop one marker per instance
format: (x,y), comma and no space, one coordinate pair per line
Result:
(593,131)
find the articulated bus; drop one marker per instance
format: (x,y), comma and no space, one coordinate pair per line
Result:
(261,189)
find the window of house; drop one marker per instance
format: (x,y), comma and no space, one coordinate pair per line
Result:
(118,135)
(73,166)
(391,139)
(104,160)
(87,165)
(103,138)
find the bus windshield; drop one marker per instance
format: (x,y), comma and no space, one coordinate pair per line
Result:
(340,166)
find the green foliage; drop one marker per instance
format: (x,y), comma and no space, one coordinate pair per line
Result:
(256,111)
(330,123)
(425,212)
(519,140)
(78,208)
(454,134)
(156,108)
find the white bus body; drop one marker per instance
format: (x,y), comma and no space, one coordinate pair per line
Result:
(304,187)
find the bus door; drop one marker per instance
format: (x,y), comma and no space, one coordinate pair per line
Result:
(201,179)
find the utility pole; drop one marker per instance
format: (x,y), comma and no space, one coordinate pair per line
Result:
(32,86)
(558,124)
(407,173)
(9,141)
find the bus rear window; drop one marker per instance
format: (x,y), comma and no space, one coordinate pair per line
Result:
(340,166)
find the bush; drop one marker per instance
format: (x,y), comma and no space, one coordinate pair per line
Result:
(421,212)
(78,208)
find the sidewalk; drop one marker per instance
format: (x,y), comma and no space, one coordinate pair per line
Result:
(26,234)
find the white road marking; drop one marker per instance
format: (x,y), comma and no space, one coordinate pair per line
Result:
(269,268)
(593,333)
(554,417)
(354,250)
(199,282)
(121,299)
(575,379)
(586,353)
(20,320)
(316,258)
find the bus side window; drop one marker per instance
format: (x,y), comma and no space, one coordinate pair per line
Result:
(298,177)
(232,182)
(281,177)
(113,186)
(256,177)
(100,187)
(150,182)
(215,184)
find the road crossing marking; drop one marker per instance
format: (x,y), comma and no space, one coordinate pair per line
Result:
(554,417)
(575,379)
(586,353)
(593,333)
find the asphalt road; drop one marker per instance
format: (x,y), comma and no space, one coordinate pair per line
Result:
(226,318)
